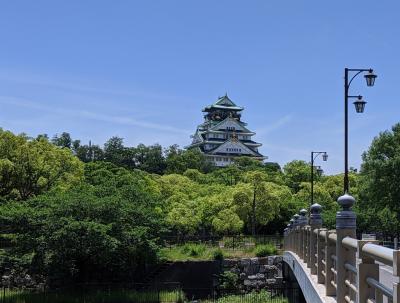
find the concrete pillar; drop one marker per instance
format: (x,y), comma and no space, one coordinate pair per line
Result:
(296,240)
(315,223)
(302,224)
(291,227)
(320,256)
(396,274)
(307,253)
(366,268)
(345,227)
(330,249)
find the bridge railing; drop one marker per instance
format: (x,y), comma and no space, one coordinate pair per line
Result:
(348,268)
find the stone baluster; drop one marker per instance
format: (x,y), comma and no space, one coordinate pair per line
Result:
(291,234)
(396,274)
(366,268)
(297,234)
(308,239)
(330,249)
(320,256)
(302,224)
(345,227)
(315,223)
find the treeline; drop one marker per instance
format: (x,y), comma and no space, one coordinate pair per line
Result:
(152,158)
(74,216)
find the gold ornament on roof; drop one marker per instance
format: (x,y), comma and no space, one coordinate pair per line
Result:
(234,137)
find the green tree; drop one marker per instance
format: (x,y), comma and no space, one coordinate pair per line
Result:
(106,227)
(115,152)
(380,174)
(31,167)
(296,172)
(257,201)
(178,160)
(149,158)
(64,140)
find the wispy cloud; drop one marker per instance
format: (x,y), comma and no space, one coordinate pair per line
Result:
(79,86)
(91,115)
(287,149)
(275,125)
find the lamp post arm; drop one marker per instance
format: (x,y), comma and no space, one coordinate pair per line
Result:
(316,154)
(359,72)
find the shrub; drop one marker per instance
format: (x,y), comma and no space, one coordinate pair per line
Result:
(193,250)
(218,254)
(229,280)
(265,250)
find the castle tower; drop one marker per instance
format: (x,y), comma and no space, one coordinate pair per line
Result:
(223,136)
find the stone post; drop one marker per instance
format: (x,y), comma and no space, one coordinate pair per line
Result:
(302,224)
(291,222)
(345,227)
(315,223)
(297,234)
(366,268)
(330,249)
(396,274)
(320,256)
(308,239)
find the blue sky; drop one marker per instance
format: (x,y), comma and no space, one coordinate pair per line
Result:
(143,70)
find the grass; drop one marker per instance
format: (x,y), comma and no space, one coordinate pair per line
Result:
(127,296)
(99,296)
(254,297)
(197,252)
(265,250)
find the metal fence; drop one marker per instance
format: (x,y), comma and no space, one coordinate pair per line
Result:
(274,295)
(235,242)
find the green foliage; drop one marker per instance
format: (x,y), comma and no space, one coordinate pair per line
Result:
(193,250)
(227,221)
(31,167)
(178,161)
(296,172)
(265,250)
(106,225)
(379,183)
(254,297)
(218,254)
(229,280)
(95,296)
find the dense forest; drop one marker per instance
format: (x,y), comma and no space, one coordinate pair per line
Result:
(77,212)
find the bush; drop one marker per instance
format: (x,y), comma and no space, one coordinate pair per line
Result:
(218,254)
(265,250)
(229,280)
(193,250)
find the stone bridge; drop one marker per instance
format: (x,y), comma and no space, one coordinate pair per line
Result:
(333,266)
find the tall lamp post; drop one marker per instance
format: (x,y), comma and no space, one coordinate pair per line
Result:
(314,156)
(359,105)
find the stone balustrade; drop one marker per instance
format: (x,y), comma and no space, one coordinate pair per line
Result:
(348,268)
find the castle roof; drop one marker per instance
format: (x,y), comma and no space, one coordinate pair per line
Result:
(223,103)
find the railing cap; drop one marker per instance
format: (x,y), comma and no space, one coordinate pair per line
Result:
(346,201)
(316,208)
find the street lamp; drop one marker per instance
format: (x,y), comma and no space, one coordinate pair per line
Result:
(319,170)
(359,105)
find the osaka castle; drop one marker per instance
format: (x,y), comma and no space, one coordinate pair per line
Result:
(223,136)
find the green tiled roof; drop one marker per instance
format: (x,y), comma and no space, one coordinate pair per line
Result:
(224,103)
